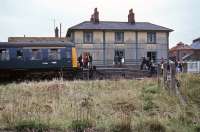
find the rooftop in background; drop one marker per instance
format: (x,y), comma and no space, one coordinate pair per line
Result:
(197,39)
(181,46)
(37,39)
(196,43)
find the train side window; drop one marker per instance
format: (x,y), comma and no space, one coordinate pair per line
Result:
(4,55)
(54,54)
(36,54)
(19,54)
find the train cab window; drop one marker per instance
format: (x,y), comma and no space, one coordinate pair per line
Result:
(4,55)
(54,54)
(36,54)
(19,54)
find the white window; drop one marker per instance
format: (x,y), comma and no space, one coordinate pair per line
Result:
(4,55)
(151,37)
(119,37)
(54,54)
(36,54)
(88,37)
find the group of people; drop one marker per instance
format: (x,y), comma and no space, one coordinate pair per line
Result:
(178,65)
(85,61)
(147,64)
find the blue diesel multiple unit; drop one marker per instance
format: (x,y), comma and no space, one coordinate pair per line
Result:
(36,57)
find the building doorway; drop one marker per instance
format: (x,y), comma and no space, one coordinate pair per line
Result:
(152,55)
(119,57)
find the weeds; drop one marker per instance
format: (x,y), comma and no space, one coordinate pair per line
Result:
(80,125)
(107,104)
(150,126)
(25,126)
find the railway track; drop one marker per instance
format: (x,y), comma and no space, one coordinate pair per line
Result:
(83,74)
(114,73)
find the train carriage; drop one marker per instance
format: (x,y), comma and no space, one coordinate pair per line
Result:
(20,58)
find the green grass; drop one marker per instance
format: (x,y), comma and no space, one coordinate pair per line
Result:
(106,105)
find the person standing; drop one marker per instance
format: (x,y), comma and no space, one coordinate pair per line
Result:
(80,60)
(90,61)
(143,63)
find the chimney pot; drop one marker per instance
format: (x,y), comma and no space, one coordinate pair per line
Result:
(95,17)
(131,17)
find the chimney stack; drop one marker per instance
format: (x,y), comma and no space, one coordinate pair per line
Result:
(56,32)
(131,17)
(95,17)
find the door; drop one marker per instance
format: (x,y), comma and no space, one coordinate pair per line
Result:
(119,56)
(151,55)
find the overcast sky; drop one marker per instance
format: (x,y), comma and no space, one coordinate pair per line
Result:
(36,17)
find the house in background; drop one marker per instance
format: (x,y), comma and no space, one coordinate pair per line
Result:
(189,54)
(195,55)
(179,51)
(131,40)
(196,44)
(193,60)
(56,39)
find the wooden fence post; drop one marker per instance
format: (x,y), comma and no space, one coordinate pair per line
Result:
(173,79)
(165,75)
(158,74)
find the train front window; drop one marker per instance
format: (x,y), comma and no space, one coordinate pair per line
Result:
(4,55)
(36,54)
(54,54)
(19,54)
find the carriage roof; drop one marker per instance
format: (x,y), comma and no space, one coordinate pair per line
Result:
(35,44)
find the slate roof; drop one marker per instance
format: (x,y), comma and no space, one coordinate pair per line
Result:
(109,25)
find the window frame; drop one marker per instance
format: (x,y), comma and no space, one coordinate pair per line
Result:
(84,37)
(7,54)
(39,51)
(151,37)
(58,54)
(22,54)
(122,37)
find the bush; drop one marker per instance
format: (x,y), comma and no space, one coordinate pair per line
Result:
(150,126)
(80,125)
(30,126)
(197,128)
(148,103)
(151,89)
(120,128)
(156,126)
